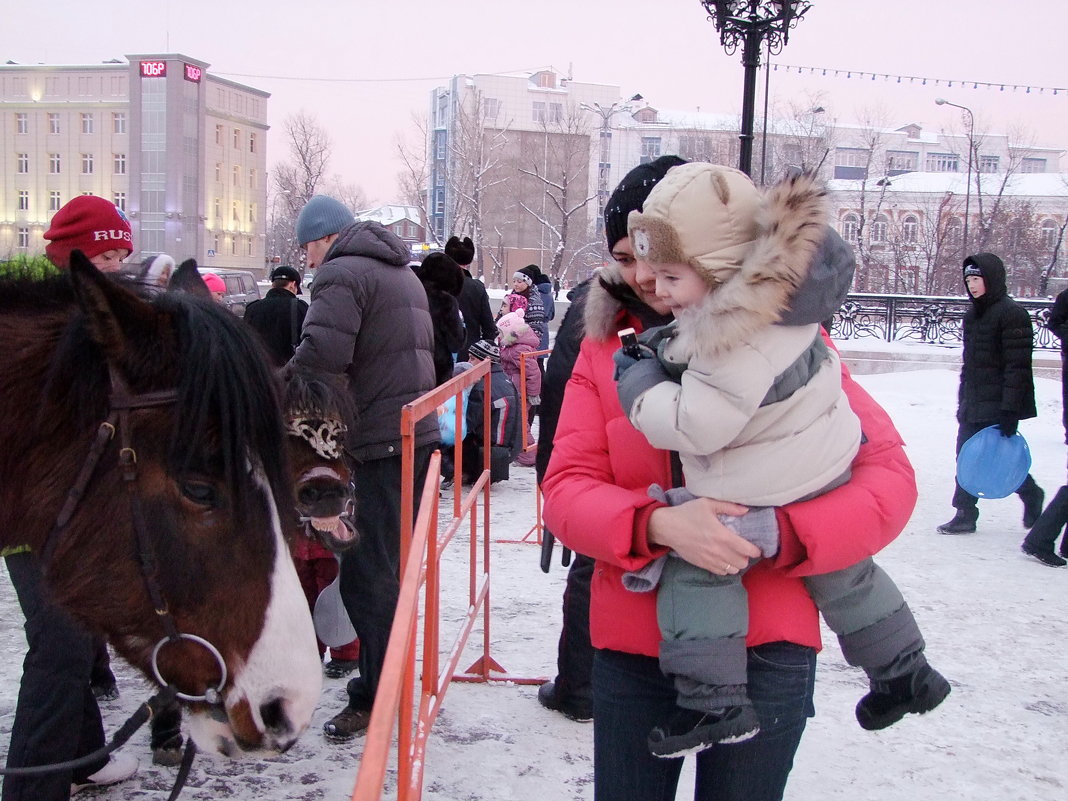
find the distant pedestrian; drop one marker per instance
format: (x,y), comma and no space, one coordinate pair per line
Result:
(279,317)
(996,383)
(443,280)
(473,300)
(1040,540)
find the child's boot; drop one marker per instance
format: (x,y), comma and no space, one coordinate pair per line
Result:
(889,701)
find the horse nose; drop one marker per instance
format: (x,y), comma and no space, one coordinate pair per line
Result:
(329,496)
(277,725)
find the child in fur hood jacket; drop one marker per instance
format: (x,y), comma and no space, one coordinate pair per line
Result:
(744,388)
(516,337)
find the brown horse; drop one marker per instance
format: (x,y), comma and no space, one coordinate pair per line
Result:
(318,413)
(171,544)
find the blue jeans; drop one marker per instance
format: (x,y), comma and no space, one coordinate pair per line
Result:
(631,695)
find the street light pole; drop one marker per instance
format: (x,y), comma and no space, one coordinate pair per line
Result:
(604,150)
(941,101)
(748,23)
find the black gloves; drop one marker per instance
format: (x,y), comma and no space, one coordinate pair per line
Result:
(1008,424)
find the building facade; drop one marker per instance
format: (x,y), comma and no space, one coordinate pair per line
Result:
(181,151)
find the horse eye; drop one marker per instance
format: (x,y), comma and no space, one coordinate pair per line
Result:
(199,492)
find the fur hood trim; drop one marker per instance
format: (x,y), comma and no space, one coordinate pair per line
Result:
(791,222)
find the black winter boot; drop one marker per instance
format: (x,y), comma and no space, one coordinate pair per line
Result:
(889,701)
(1046,557)
(963,522)
(690,731)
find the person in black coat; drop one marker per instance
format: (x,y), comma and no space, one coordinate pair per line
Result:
(996,383)
(473,299)
(279,317)
(443,280)
(1040,540)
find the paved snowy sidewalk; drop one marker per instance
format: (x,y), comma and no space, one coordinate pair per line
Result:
(996,624)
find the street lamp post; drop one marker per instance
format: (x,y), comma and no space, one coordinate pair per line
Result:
(941,101)
(749,23)
(604,150)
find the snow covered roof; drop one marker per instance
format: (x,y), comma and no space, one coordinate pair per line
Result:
(1033,184)
(387,215)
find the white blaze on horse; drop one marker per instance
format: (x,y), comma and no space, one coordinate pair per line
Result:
(162,418)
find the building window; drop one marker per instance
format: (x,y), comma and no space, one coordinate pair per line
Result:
(119,199)
(237,138)
(989,163)
(218,172)
(650,149)
(878,229)
(235,214)
(87,123)
(87,163)
(118,122)
(439,201)
(1049,234)
(943,162)
(899,161)
(851,162)
(233,245)
(120,163)
(910,229)
(538,111)
(248,246)
(218,134)
(237,175)
(54,201)
(850,228)
(699,148)
(53,123)
(218,212)
(252,212)
(556,113)
(22,123)
(215,243)
(253,179)
(24,200)
(252,143)
(954,231)
(441,141)
(1033,165)
(491,107)
(23,240)
(55,164)
(22,163)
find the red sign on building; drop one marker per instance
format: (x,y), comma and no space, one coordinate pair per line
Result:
(153,69)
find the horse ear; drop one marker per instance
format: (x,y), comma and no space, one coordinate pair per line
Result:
(117,318)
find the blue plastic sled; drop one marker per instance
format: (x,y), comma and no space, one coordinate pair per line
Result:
(992,466)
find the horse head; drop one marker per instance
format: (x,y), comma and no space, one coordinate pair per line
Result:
(318,413)
(175,548)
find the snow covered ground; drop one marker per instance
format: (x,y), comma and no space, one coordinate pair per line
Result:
(996,624)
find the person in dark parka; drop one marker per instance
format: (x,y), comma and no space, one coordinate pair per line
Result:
(474,300)
(279,316)
(443,280)
(1040,540)
(996,383)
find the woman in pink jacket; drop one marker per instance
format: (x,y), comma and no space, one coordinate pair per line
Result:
(596,502)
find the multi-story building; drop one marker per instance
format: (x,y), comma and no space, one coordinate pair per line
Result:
(404,221)
(180,150)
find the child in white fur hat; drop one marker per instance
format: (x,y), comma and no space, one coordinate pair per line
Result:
(756,411)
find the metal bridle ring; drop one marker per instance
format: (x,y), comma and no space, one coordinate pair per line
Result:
(212,695)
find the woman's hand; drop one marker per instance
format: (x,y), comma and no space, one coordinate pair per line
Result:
(694,531)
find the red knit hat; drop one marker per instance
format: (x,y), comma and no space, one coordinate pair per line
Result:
(89,224)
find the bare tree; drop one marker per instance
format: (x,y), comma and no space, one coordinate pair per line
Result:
(476,149)
(804,140)
(563,173)
(414,178)
(310,149)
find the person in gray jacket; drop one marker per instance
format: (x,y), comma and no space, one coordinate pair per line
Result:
(368,321)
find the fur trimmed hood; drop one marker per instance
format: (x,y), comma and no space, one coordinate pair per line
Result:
(754,249)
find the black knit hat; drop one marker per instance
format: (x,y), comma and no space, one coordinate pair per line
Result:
(484,349)
(532,271)
(631,194)
(463,253)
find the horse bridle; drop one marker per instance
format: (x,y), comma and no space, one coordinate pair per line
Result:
(121,403)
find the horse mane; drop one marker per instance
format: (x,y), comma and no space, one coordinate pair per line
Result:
(225,387)
(317,396)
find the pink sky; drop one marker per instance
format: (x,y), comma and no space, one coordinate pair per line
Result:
(363,68)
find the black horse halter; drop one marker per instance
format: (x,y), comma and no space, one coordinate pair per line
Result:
(121,403)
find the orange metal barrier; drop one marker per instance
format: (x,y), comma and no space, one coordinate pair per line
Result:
(537,529)
(421,548)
